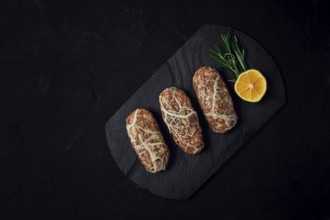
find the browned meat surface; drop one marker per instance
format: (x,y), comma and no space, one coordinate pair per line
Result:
(181,120)
(215,100)
(147,140)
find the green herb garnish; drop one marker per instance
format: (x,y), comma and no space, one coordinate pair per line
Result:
(229,54)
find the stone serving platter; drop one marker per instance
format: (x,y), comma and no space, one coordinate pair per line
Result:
(186,173)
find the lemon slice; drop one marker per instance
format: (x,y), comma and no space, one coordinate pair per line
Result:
(251,85)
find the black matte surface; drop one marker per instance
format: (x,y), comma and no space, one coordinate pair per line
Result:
(187,173)
(67,66)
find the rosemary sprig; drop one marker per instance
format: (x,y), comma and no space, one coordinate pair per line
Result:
(229,54)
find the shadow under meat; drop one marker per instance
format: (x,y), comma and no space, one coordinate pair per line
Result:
(167,136)
(202,120)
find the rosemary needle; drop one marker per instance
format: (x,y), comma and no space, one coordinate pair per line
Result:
(229,54)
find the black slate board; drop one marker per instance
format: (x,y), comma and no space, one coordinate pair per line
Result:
(186,173)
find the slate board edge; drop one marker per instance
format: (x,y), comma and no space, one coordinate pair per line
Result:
(228,157)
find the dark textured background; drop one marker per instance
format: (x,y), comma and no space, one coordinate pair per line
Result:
(67,66)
